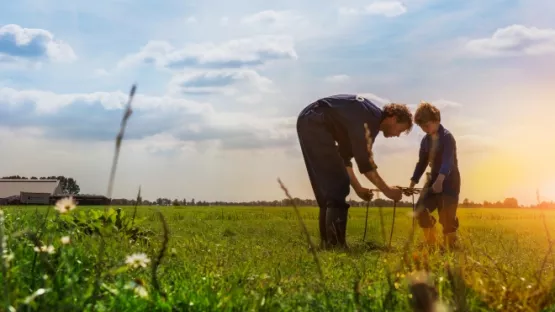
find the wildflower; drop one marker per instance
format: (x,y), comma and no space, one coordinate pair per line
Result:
(39,292)
(137,260)
(138,286)
(65,205)
(65,240)
(48,249)
(8,258)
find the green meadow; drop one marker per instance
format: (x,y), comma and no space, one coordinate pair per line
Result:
(258,259)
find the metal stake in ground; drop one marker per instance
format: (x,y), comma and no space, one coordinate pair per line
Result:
(367,208)
(406,191)
(392,223)
(366,223)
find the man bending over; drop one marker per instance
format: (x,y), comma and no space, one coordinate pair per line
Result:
(331,132)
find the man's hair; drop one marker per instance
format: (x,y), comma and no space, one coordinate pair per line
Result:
(401,111)
(426,112)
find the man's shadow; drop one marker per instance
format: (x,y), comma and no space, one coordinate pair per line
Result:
(370,247)
(360,248)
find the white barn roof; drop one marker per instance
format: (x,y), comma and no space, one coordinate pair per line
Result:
(14,187)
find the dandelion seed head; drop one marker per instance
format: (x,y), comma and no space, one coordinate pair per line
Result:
(46,249)
(441,307)
(138,286)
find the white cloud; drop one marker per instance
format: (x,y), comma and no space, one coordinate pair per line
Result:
(18,43)
(227,82)
(514,40)
(250,51)
(442,104)
(337,78)
(386,8)
(274,19)
(95,116)
(47,102)
(101,72)
(375,99)
(224,21)
(191,20)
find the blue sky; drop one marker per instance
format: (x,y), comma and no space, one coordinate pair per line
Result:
(220,84)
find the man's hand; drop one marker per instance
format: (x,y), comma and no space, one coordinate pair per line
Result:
(364,193)
(394,193)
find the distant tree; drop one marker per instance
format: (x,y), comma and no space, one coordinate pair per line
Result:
(510,202)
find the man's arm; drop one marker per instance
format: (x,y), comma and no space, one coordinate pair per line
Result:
(354,181)
(375,178)
(420,165)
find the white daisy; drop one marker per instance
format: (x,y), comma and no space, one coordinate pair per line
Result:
(65,205)
(137,260)
(65,240)
(39,292)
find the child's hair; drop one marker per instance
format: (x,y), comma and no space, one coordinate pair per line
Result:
(426,112)
(401,111)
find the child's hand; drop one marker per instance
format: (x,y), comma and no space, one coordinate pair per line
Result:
(437,187)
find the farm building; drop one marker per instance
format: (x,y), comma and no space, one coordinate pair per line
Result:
(27,191)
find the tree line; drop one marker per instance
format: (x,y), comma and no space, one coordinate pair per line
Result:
(70,186)
(378,202)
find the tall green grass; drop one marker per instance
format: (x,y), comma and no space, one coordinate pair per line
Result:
(257,258)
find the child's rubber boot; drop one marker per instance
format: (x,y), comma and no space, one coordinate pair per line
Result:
(451,241)
(430,237)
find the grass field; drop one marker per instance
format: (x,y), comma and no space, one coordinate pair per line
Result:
(256,259)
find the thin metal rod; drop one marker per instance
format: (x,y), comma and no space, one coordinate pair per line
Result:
(366,223)
(392,223)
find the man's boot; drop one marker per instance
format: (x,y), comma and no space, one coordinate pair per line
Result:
(336,223)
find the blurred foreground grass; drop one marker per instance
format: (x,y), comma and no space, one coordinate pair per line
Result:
(256,258)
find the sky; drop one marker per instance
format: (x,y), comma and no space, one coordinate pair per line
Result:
(220,84)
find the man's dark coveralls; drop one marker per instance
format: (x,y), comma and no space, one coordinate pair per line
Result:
(341,119)
(445,162)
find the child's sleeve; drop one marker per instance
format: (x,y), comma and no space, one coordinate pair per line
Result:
(448,155)
(421,164)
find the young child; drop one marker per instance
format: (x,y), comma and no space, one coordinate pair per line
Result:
(445,181)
